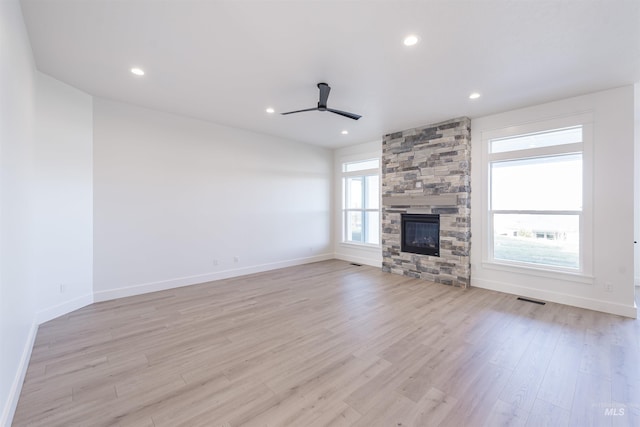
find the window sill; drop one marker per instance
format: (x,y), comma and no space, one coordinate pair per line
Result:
(540,272)
(366,246)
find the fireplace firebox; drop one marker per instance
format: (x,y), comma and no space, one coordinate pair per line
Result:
(421,234)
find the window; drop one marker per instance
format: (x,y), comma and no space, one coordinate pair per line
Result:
(536,194)
(361,202)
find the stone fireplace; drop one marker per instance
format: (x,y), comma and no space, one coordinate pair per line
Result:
(426,172)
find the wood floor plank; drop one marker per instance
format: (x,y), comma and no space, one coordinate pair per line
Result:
(625,385)
(370,394)
(506,414)
(547,414)
(591,401)
(433,409)
(394,410)
(331,344)
(523,385)
(559,382)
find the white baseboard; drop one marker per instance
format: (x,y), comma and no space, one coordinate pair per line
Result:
(359,260)
(576,301)
(16,386)
(163,285)
(63,308)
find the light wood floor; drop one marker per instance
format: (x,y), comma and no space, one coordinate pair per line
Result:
(332,344)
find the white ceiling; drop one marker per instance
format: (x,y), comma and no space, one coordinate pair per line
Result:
(226,61)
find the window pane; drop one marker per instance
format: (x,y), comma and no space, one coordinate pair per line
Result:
(546,183)
(373,192)
(361,202)
(373,227)
(354,192)
(536,140)
(354,227)
(551,240)
(360,166)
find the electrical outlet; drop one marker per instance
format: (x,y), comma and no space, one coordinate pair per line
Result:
(608,286)
(215,261)
(63,288)
(236,259)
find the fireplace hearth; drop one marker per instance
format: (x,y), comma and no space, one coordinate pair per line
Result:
(421,234)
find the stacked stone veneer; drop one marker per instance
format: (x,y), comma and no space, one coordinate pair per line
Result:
(429,160)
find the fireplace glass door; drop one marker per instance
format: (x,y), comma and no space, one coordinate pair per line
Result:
(421,234)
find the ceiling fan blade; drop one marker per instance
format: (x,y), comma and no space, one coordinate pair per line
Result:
(322,104)
(324,94)
(345,114)
(300,111)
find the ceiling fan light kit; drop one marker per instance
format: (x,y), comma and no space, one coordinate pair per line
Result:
(322,104)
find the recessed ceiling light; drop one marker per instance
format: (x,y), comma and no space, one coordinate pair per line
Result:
(270,110)
(410,40)
(137,71)
(345,132)
(474,95)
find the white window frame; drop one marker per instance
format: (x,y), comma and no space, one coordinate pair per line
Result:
(585,120)
(344,211)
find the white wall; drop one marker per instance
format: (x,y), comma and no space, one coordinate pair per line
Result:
(345,251)
(62,225)
(172,195)
(17,119)
(45,202)
(613,207)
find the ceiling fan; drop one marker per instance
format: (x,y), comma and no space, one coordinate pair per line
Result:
(322,104)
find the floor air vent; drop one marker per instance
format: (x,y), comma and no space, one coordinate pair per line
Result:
(531,300)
